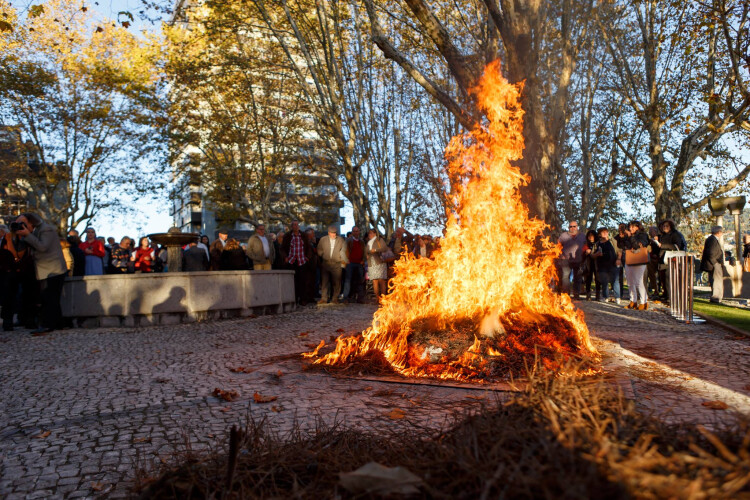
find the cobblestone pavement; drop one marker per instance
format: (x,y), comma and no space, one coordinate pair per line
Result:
(83,409)
(676,371)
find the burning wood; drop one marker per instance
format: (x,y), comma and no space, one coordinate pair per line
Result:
(484,303)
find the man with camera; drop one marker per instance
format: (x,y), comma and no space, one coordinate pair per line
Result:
(50,266)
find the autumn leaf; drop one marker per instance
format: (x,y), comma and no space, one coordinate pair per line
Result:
(279,373)
(264,399)
(715,405)
(226,395)
(146,439)
(396,414)
(276,409)
(99,29)
(242,369)
(340,330)
(303,334)
(747,387)
(84,9)
(43,435)
(96,486)
(36,11)
(5,26)
(125,24)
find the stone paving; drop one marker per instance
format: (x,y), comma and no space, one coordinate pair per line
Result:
(83,409)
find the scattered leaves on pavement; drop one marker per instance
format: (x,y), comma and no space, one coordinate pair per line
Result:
(226,395)
(242,369)
(396,414)
(715,405)
(264,399)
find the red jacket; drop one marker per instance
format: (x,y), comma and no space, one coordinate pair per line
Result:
(96,246)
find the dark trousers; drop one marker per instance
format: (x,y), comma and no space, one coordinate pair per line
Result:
(50,290)
(588,277)
(652,275)
(28,286)
(354,280)
(330,272)
(566,268)
(304,280)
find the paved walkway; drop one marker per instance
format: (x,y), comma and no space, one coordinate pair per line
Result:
(82,409)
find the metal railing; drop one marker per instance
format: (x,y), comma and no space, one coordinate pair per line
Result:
(681,276)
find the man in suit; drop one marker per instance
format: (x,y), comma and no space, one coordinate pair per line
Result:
(332,253)
(713,263)
(260,249)
(194,258)
(50,267)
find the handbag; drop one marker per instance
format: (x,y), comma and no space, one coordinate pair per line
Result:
(636,257)
(388,256)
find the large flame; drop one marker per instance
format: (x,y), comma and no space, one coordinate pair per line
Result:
(487,291)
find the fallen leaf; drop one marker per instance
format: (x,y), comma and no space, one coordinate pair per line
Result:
(747,387)
(226,395)
(383,393)
(396,414)
(374,478)
(275,409)
(477,398)
(368,388)
(97,486)
(43,435)
(225,409)
(242,369)
(303,334)
(279,373)
(264,399)
(715,405)
(340,330)
(146,439)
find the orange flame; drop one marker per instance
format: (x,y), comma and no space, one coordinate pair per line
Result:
(490,280)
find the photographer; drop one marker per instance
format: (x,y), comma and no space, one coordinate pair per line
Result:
(47,253)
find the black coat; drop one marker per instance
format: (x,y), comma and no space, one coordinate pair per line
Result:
(194,259)
(713,255)
(234,260)
(606,262)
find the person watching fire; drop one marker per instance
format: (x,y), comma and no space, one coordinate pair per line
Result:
(569,262)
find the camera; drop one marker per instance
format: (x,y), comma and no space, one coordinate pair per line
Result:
(17,226)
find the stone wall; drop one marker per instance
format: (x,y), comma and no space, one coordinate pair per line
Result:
(170,298)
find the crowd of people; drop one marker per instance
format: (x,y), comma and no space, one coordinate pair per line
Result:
(34,262)
(595,260)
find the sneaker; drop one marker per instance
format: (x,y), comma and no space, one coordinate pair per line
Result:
(618,301)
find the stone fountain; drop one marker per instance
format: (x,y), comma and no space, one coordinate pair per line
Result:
(174,240)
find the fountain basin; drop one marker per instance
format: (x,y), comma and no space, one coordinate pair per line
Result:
(132,300)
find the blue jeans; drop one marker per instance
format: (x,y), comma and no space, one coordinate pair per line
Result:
(354,272)
(610,278)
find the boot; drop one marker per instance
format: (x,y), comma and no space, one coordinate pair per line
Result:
(632,305)
(643,307)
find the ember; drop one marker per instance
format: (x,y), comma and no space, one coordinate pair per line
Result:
(484,304)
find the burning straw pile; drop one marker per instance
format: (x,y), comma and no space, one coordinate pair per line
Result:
(563,438)
(493,270)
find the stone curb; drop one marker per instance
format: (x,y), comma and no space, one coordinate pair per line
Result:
(721,324)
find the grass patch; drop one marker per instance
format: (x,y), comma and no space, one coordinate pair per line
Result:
(564,437)
(739,318)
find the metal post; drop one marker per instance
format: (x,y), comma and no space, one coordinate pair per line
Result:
(691,266)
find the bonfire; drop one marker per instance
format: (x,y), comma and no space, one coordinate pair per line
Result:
(483,306)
